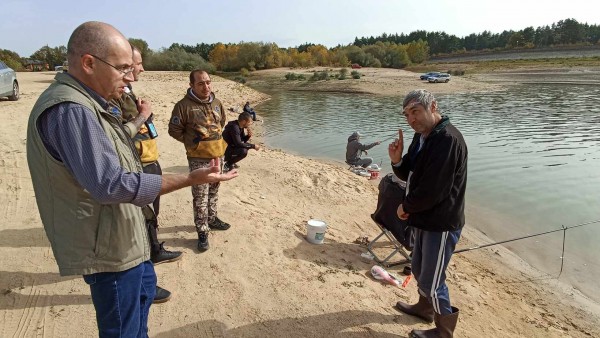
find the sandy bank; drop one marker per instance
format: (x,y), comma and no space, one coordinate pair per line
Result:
(261,278)
(376,81)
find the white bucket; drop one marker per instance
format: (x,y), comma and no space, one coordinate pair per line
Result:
(315,231)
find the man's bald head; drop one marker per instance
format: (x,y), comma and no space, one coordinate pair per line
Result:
(100,57)
(92,37)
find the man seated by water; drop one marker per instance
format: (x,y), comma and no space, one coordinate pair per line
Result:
(237,134)
(355,148)
(250,110)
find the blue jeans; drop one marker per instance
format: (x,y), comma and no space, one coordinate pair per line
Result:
(430,257)
(122,300)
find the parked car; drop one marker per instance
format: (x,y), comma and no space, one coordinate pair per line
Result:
(356,66)
(427,75)
(9,86)
(442,77)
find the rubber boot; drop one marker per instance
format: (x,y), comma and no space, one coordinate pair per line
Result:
(423,309)
(444,327)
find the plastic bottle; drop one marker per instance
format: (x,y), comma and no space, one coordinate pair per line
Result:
(151,128)
(379,273)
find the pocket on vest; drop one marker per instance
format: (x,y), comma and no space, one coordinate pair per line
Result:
(208,149)
(103,231)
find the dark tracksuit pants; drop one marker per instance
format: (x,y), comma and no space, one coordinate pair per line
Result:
(154,168)
(235,154)
(430,258)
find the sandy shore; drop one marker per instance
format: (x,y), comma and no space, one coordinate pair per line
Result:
(376,81)
(261,278)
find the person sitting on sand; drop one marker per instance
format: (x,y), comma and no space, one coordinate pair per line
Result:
(354,149)
(249,110)
(237,134)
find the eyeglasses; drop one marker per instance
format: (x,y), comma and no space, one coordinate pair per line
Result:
(125,70)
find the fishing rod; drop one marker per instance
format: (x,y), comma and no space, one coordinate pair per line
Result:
(563,229)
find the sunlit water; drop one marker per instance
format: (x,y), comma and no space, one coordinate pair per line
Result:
(534,160)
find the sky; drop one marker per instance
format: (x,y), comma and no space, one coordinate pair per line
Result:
(28,25)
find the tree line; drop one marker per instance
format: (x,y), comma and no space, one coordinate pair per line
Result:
(387,50)
(564,32)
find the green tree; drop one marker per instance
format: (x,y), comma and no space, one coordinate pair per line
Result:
(356,55)
(12,59)
(516,40)
(51,56)
(397,57)
(177,59)
(249,55)
(142,46)
(569,31)
(418,51)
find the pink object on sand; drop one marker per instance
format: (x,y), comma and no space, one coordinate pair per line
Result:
(379,273)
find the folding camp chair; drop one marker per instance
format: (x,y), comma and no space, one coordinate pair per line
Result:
(353,166)
(397,231)
(397,248)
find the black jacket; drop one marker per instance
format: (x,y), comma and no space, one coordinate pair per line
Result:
(235,136)
(436,189)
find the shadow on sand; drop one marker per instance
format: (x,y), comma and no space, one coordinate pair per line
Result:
(325,325)
(18,291)
(23,238)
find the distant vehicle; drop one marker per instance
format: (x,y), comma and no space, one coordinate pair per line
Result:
(442,77)
(427,75)
(9,86)
(58,68)
(356,66)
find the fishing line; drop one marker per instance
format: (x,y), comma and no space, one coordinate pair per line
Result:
(563,229)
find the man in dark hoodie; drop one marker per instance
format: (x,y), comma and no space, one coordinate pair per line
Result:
(237,134)
(354,149)
(435,171)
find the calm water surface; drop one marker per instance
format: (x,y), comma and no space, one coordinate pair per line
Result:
(534,160)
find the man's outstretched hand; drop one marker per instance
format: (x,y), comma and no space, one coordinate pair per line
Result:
(212,174)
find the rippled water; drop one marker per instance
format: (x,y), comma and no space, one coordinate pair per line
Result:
(534,160)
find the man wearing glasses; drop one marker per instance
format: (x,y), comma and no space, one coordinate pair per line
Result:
(89,185)
(197,121)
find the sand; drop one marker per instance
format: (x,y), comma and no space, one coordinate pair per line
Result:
(261,278)
(376,81)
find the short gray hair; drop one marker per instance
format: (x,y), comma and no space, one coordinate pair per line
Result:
(421,96)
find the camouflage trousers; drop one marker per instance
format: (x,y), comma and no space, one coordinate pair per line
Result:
(205,197)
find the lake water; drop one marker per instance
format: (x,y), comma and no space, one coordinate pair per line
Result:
(534,160)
